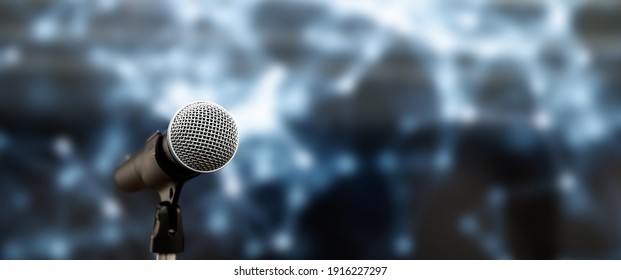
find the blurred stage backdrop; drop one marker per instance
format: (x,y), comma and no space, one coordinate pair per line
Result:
(369,129)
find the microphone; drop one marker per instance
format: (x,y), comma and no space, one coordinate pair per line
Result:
(201,138)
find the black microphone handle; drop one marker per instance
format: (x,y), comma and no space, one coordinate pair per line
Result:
(153,166)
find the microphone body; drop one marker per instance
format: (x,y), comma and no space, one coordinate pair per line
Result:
(153,166)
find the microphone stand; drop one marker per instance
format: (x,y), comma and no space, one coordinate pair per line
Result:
(160,173)
(167,238)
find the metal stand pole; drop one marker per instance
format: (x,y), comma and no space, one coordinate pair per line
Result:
(165,257)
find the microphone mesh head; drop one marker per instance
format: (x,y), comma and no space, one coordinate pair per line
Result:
(202,136)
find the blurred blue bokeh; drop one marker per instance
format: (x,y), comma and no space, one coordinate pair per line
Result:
(368,129)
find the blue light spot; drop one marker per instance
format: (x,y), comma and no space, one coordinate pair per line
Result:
(443,160)
(218,222)
(567,181)
(496,196)
(387,161)
(297,197)
(44,30)
(69,177)
(403,245)
(345,163)
(282,241)
(469,224)
(408,124)
(111,233)
(58,248)
(63,146)
(253,249)
(12,250)
(493,245)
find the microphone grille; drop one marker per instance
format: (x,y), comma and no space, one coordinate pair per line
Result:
(203,136)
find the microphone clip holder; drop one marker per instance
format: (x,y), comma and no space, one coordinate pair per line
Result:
(167,238)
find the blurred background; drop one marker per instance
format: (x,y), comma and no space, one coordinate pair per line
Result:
(368,129)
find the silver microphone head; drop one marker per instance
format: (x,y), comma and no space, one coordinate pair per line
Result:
(202,136)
